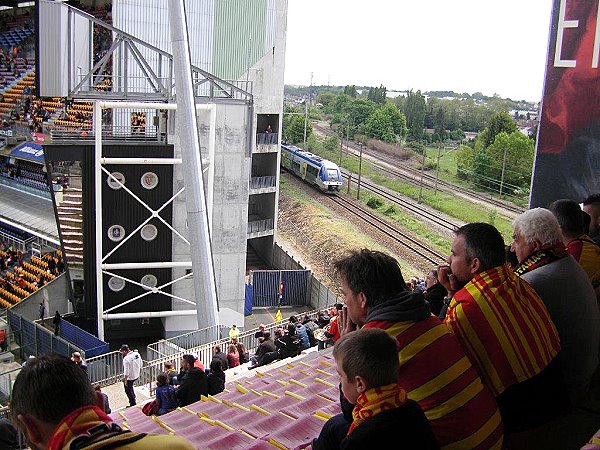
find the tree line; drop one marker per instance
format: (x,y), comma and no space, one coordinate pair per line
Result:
(500,158)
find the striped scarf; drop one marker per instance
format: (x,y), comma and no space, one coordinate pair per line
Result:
(504,328)
(83,422)
(543,256)
(376,400)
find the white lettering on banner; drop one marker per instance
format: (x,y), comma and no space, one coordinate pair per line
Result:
(560,30)
(8,133)
(32,151)
(562,24)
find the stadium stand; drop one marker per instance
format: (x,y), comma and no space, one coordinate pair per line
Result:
(284,405)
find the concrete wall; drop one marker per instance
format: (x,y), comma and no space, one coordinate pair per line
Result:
(268,83)
(228,210)
(227,191)
(55,296)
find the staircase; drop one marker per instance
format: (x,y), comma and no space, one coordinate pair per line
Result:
(70,219)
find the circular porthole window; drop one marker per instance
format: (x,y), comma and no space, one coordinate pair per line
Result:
(116,284)
(112,180)
(149,281)
(116,233)
(149,180)
(148,232)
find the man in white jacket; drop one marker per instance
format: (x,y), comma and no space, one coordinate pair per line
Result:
(132,366)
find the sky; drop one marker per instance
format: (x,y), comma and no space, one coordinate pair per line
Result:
(493,47)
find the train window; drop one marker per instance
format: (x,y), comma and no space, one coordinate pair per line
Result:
(332,174)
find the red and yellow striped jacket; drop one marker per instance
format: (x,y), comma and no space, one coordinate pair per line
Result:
(504,327)
(436,373)
(587,253)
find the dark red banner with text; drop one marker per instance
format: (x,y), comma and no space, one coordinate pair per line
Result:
(567,162)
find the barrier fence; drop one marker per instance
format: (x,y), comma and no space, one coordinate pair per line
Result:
(34,339)
(280,287)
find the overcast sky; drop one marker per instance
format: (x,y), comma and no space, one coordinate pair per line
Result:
(460,45)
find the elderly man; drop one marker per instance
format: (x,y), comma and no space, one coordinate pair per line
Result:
(435,294)
(54,405)
(77,359)
(566,291)
(434,370)
(504,328)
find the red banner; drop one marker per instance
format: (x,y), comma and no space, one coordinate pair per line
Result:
(39,138)
(567,163)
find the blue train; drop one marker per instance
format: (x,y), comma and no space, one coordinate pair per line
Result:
(313,169)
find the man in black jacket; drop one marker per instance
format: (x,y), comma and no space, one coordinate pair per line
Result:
(193,383)
(266,346)
(289,344)
(220,356)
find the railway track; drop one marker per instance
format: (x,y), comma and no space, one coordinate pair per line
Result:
(413,207)
(429,181)
(427,254)
(413,176)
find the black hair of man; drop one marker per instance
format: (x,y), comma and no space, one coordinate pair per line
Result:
(484,242)
(49,388)
(593,199)
(189,359)
(568,214)
(370,353)
(374,273)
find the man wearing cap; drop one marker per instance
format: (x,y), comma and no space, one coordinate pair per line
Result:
(132,366)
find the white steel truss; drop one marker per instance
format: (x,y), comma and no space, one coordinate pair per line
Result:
(104,268)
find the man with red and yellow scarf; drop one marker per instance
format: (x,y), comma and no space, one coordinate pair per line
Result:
(434,370)
(54,405)
(504,328)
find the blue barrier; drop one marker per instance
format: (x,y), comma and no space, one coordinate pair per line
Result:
(266,285)
(91,345)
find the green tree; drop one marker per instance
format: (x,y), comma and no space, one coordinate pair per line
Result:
(519,151)
(350,91)
(377,94)
(358,111)
(464,156)
(326,98)
(500,122)
(440,124)
(414,110)
(294,131)
(398,119)
(331,143)
(379,126)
